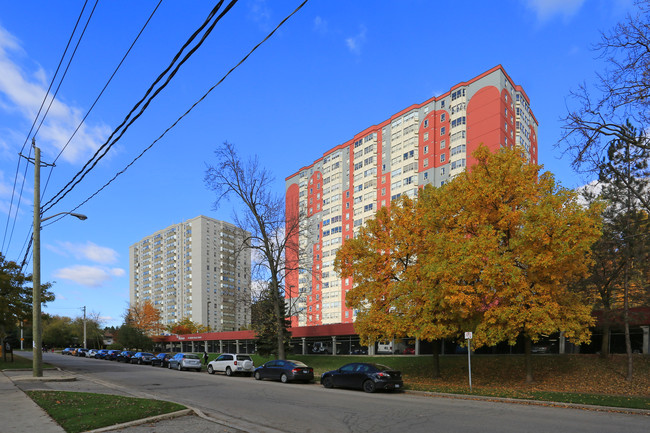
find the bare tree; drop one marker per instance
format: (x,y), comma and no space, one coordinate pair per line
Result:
(620,95)
(263,217)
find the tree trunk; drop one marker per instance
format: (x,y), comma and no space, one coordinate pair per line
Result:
(528,359)
(436,359)
(626,321)
(279,317)
(604,345)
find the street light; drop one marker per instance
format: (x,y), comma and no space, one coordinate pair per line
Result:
(37,364)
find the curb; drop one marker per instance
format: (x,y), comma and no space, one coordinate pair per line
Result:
(643,412)
(140,421)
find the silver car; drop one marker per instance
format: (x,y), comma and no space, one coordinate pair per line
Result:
(185,361)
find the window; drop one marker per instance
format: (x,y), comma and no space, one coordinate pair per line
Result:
(443,130)
(426,176)
(426,136)
(458,122)
(426,162)
(426,123)
(442,158)
(442,117)
(443,144)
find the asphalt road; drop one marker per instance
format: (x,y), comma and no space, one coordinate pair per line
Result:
(272,406)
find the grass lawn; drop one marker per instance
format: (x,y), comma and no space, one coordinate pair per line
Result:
(19,363)
(79,411)
(583,379)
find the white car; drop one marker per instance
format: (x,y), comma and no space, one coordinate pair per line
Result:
(91,353)
(232,363)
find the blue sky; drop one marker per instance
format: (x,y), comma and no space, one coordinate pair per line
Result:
(334,69)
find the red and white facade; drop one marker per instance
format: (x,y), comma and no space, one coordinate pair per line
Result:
(427,143)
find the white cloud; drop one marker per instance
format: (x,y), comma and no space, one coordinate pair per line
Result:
(546,9)
(320,25)
(260,13)
(89,276)
(21,93)
(89,251)
(355,43)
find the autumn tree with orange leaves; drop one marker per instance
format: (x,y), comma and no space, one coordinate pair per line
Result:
(144,317)
(494,252)
(187,326)
(391,294)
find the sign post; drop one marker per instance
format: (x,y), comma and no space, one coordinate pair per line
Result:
(468,337)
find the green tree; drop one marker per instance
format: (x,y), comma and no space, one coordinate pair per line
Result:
(265,324)
(626,235)
(16,296)
(133,338)
(58,331)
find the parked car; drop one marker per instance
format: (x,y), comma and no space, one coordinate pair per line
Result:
(67,351)
(161,360)
(91,353)
(80,351)
(111,355)
(142,358)
(124,356)
(363,375)
(182,361)
(284,371)
(409,351)
(101,353)
(232,363)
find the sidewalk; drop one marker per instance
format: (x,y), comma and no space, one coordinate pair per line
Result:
(19,412)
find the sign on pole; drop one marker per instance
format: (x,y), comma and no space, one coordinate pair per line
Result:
(468,337)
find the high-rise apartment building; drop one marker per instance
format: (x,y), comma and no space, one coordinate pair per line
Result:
(199,269)
(427,143)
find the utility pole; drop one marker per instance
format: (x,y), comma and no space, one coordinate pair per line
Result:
(84,308)
(37,366)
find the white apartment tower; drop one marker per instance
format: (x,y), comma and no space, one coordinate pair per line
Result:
(199,269)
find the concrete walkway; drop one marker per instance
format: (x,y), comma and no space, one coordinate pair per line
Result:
(19,412)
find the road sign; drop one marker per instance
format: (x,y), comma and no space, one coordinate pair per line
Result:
(468,336)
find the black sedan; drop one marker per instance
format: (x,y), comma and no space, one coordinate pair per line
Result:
(142,358)
(111,355)
(161,360)
(285,371)
(124,356)
(363,375)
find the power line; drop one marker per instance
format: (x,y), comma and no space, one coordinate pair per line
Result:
(101,92)
(74,30)
(191,108)
(103,150)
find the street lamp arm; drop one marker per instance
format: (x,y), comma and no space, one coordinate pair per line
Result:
(76,215)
